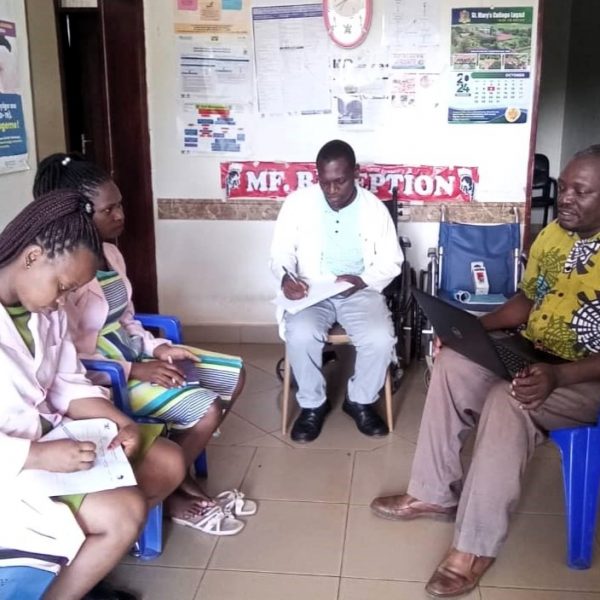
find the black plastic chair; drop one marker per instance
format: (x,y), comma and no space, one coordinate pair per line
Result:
(543,188)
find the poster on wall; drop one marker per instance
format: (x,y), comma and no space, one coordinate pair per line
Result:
(275,180)
(491,65)
(291,55)
(411,31)
(13,136)
(360,88)
(214,73)
(213,128)
(211,16)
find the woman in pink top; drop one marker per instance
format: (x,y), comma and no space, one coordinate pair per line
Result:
(102,324)
(50,249)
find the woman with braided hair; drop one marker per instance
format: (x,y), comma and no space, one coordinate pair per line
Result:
(50,249)
(102,325)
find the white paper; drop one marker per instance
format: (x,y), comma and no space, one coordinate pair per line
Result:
(111,469)
(318,290)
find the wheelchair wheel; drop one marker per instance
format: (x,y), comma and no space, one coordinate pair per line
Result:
(405,317)
(280,368)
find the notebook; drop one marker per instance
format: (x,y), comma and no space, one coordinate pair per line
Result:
(501,353)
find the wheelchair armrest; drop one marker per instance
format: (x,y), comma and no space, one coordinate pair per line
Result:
(169,325)
(118,381)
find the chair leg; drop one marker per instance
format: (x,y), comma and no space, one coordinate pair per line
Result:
(201,465)
(388,400)
(581,475)
(149,544)
(285,401)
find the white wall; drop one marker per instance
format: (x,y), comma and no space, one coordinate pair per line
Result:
(215,272)
(15,188)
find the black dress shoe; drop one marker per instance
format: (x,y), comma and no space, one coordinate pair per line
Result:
(309,423)
(366,418)
(104,591)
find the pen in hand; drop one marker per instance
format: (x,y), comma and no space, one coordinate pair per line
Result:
(67,432)
(296,280)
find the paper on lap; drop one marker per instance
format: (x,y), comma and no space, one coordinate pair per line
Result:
(318,291)
(111,469)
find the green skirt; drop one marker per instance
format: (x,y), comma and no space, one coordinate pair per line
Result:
(149,432)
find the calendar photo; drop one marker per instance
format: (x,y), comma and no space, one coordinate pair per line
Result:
(490,80)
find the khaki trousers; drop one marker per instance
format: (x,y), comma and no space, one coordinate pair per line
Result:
(462,395)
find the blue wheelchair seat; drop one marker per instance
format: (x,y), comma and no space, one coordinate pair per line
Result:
(497,246)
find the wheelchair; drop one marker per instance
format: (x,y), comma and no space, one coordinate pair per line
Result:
(401,306)
(449,273)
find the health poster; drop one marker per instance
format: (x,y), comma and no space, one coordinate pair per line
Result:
(491,58)
(13,135)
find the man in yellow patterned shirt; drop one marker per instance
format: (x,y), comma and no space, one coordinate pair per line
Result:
(559,304)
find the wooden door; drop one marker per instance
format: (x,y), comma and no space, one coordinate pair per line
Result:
(102,55)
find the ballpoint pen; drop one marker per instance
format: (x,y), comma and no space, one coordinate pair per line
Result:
(67,432)
(291,275)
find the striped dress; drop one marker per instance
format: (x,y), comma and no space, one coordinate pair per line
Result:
(183,407)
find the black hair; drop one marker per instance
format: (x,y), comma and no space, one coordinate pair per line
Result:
(58,222)
(593,150)
(334,150)
(68,171)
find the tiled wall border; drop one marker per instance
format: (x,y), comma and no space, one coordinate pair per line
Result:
(188,209)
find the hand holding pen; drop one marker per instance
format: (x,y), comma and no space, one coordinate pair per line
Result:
(292,286)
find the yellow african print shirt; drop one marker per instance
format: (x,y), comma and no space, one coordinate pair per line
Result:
(563,280)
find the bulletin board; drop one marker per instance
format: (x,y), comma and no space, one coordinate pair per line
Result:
(438,88)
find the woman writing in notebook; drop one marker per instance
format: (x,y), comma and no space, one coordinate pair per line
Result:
(102,324)
(49,249)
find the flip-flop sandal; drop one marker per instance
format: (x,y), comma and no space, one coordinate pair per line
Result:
(214,521)
(237,503)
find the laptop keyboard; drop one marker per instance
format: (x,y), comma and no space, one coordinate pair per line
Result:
(512,361)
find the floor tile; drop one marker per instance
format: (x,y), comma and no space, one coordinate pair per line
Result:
(232,585)
(227,467)
(150,582)
(409,402)
(381,472)
(183,547)
(363,589)
(287,537)
(514,594)
(380,549)
(262,409)
(300,474)
(263,356)
(267,440)
(258,380)
(534,557)
(236,430)
(543,488)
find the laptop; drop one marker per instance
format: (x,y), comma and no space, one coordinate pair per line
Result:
(502,353)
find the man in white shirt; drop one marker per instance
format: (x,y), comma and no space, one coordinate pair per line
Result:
(336,230)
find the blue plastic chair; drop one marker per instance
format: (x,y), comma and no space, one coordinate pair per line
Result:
(26,582)
(149,544)
(580,454)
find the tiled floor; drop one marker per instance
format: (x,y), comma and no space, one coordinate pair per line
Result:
(314,537)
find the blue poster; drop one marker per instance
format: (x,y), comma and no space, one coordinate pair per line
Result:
(13,139)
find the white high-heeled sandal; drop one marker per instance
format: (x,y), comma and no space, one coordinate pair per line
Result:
(215,521)
(236,502)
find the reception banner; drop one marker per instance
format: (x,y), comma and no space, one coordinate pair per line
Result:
(275,180)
